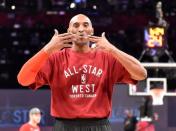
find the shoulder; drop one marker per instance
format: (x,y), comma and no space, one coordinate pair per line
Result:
(38,127)
(60,54)
(102,52)
(24,126)
(106,55)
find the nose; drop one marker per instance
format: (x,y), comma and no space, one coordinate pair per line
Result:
(81,29)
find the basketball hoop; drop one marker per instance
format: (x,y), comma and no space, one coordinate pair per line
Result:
(157,96)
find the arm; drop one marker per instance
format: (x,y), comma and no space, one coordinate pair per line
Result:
(28,72)
(131,64)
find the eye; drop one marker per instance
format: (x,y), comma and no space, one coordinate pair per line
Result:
(76,25)
(86,24)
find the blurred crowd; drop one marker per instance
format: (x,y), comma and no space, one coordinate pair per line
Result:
(25,26)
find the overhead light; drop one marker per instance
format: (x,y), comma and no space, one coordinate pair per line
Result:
(51,12)
(2,4)
(13,7)
(94,7)
(2,61)
(15,43)
(16,26)
(13,34)
(72,5)
(26,52)
(4,75)
(61,12)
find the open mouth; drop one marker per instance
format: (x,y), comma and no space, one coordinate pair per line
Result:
(82,35)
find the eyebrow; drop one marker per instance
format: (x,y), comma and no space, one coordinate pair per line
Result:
(87,23)
(83,23)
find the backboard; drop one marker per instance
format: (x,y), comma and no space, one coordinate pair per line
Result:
(160,76)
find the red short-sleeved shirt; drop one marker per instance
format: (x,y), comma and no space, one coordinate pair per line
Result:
(145,126)
(81,83)
(28,127)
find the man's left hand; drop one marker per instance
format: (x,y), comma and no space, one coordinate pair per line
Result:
(101,42)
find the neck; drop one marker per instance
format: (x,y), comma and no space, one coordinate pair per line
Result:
(81,48)
(32,123)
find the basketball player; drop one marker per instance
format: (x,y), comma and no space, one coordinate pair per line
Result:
(130,121)
(34,120)
(81,79)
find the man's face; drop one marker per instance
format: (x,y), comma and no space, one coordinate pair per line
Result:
(82,27)
(36,117)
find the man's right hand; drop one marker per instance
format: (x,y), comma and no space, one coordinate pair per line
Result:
(59,41)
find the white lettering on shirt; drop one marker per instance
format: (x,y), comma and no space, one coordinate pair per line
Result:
(83,91)
(86,69)
(88,88)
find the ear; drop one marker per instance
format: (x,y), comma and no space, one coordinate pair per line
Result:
(68,30)
(92,31)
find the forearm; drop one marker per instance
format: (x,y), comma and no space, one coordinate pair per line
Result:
(131,64)
(28,72)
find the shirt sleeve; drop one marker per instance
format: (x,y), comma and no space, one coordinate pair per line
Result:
(24,127)
(119,73)
(43,77)
(28,72)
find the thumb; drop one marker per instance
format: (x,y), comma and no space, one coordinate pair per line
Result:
(103,34)
(56,32)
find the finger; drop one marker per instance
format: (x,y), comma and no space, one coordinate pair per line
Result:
(64,34)
(56,32)
(95,37)
(67,37)
(95,40)
(67,40)
(103,34)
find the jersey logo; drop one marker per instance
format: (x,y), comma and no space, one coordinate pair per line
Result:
(83,78)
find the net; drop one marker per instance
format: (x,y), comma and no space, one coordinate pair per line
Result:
(157,96)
